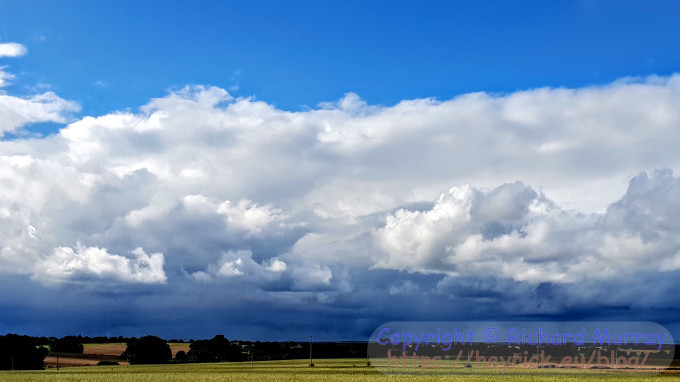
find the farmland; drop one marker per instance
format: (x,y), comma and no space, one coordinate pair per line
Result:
(93,353)
(298,370)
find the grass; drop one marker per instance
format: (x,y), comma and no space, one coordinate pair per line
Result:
(298,370)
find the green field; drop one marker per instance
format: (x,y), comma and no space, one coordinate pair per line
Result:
(298,370)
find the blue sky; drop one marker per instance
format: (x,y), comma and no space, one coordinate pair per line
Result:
(113,56)
(267,170)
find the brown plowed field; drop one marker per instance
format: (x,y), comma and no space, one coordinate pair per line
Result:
(93,353)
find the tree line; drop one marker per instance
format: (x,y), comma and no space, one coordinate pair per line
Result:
(151,350)
(19,352)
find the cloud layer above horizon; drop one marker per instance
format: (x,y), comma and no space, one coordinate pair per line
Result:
(538,202)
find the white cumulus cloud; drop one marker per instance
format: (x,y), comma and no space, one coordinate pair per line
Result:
(68,263)
(16,112)
(12,49)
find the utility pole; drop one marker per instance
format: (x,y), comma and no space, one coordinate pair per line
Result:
(311,363)
(538,355)
(368,362)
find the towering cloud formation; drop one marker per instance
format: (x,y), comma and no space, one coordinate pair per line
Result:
(544,197)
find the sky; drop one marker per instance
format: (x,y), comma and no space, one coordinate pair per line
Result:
(269,170)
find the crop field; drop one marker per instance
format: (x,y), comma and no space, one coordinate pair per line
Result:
(93,353)
(298,370)
(117,348)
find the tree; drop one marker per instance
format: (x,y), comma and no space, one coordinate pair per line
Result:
(181,356)
(20,353)
(148,350)
(68,344)
(215,350)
